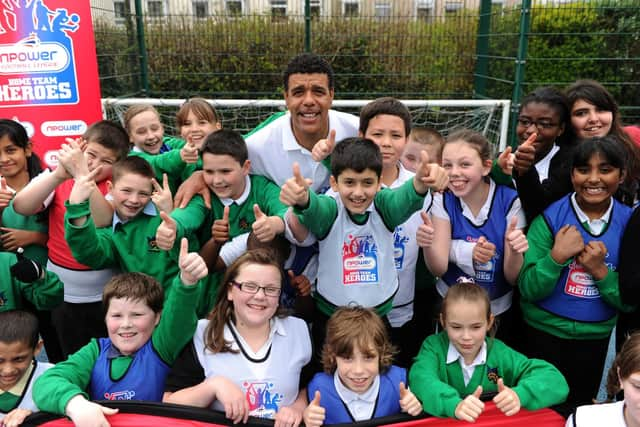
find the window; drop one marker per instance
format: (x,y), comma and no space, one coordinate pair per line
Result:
(278,9)
(315,6)
(451,7)
(119,10)
(200,8)
(233,7)
(424,10)
(350,8)
(155,9)
(383,10)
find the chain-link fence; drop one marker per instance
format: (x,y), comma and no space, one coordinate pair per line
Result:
(406,48)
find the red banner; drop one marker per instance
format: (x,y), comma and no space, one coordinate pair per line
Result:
(48,70)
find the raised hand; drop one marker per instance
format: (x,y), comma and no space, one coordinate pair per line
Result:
(71,157)
(592,259)
(429,175)
(220,227)
(426,231)
(266,227)
(505,161)
(300,283)
(314,414)
(471,407)
(83,186)
(409,403)
(189,153)
(161,195)
(5,194)
(236,407)
(568,243)
(166,232)
(506,400)
(192,266)
(515,238)
(324,147)
(525,156)
(295,191)
(195,184)
(483,251)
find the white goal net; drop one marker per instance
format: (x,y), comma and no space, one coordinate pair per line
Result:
(490,117)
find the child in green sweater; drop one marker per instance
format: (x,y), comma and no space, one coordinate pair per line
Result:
(133,362)
(457,365)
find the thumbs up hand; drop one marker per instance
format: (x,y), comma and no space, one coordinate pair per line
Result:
(429,175)
(189,153)
(516,239)
(166,232)
(471,407)
(220,228)
(266,227)
(483,251)
(314,414)
(525,156)
(505,161)
(5,194)
(324,147)
(300,283)
(295,190)
(192,266)
(506,400)
(426,231)
(409,403)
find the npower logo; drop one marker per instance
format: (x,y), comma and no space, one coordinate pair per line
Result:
(41,58)
(63,128)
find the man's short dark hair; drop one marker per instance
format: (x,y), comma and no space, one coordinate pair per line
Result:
(308,63)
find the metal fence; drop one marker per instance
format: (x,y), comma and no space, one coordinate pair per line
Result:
(411,49)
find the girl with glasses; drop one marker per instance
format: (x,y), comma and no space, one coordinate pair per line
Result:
(247,358)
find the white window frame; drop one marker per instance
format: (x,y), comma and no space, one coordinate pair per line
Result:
(350,2)
(278,8)
(312,4)
(241,2)
(163,6)
(383,10)
(453,6)
(194,5)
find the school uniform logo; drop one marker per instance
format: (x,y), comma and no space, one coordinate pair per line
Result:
(359,260)
(580,283)
(492,374)
(263,401)
(3,299)
(244,224)
(152,245)
(120,395)
(399,243)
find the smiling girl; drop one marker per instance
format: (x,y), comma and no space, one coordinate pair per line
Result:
(479,222)
(569,284)
(455,367)
(247,359)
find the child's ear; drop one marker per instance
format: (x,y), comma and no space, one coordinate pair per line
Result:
(246,167)
(486,167)
(441,319)
(334,183)
(218,125)
(38,348)
(492,318)
(28,149)
(109,186)
(158,316)
(623,176)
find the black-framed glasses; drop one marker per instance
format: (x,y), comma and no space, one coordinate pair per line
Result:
(538,124)
(253,288)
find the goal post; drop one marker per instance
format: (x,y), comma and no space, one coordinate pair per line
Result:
(487,116)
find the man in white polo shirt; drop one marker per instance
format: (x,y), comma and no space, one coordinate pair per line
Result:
(274,145)
(308,92)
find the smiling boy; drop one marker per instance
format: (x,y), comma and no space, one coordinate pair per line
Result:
(129,242)
(361,221)
(19,345)
(142,344)
(251,202)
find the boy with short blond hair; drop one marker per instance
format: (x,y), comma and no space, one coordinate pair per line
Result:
(422,138)
(103,144)
(19,346)
(143,342)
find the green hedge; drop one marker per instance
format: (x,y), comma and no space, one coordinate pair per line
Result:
(242,57)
